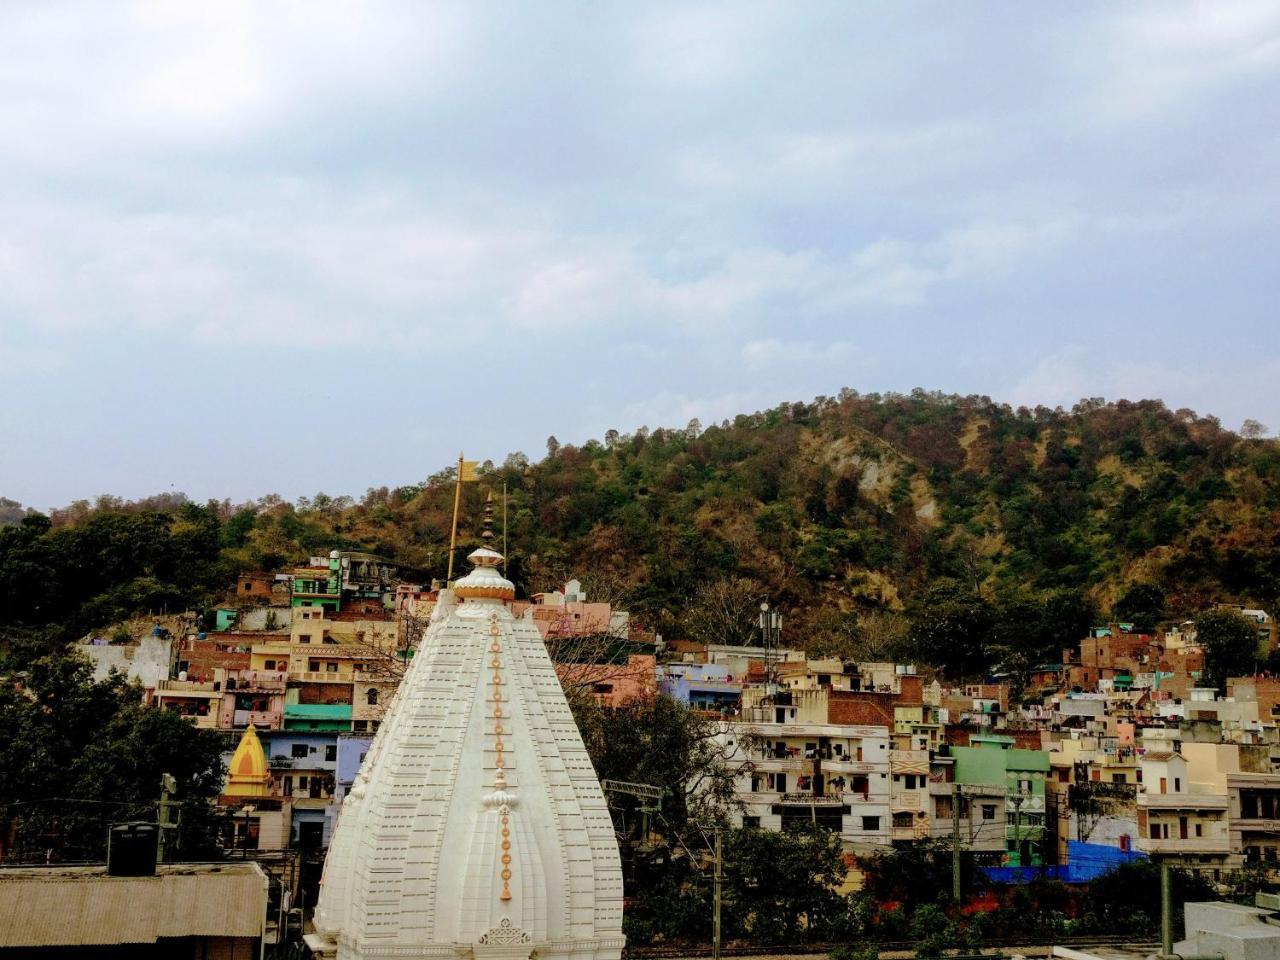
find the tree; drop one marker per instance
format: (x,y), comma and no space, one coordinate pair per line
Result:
(1142,604)
(1253,430)
(660,741)
(1230,643)
(950,629)
(11,512)
(78,754)
(724,611)
(781,886)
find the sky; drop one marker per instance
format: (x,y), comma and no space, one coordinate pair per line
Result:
(254,248)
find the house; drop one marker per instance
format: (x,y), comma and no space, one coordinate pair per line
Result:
(178,910)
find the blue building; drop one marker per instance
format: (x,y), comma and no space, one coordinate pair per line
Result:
(703,686)
(305,764)
(351,751)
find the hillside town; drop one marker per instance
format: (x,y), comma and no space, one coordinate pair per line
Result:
(1115,753)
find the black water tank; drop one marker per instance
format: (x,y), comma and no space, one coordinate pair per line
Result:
(132,850)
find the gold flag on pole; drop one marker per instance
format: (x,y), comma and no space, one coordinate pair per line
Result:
(467,473)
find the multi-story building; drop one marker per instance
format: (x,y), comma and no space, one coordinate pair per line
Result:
(1253,809)
(995,763)
(794,771)
(1181,822)
(909,805)
(251,697)
(703,686)
(199,701)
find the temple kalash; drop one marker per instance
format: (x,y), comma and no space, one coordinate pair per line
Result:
(476,826)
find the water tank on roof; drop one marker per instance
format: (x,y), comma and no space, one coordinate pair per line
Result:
(131,850)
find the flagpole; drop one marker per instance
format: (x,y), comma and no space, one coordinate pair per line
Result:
(453,533)
(504,528)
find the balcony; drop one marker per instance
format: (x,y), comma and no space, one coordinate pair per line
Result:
(249,681)
(1176,846)
(807,799)
(1256,825)
(323,676)
(262,719)
(906,801)
(772,764)
(185,686)
(1182,801)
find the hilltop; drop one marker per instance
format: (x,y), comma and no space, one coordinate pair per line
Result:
(843,511)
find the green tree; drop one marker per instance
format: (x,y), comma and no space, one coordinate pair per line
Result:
(781,886)
(659,741)
(1230,642)
(78,754)
(1142,604)
(951,628)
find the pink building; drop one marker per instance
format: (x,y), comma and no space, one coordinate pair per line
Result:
(251,697)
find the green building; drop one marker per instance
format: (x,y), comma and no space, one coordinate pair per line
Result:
(317,586)
(993,761)
(323,717)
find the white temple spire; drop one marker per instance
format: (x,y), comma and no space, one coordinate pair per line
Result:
(476,827)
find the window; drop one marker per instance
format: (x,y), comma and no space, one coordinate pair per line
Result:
(1199,829)
(871,823)
(375,724)
(304,638)
(331,752)
(331,667)
(750,823)
(1119,778)
(988,811)
(268,664)
(359,726)
(298,751)
(313,665)
(1177,784)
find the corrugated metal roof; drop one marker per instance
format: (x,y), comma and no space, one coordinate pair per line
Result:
(80,906)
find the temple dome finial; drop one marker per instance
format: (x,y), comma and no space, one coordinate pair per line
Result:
(484,582)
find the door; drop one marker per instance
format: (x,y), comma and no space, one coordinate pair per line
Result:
(1182,828)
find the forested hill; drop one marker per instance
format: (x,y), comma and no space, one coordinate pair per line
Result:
(832,509)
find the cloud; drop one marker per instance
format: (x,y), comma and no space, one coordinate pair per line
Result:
(1252,390)
(1162,57)
(704,208)
(673,409)
(772,353)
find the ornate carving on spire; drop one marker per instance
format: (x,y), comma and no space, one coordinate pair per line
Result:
(500,797)
(505,934)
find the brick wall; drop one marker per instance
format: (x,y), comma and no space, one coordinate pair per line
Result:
(863,708)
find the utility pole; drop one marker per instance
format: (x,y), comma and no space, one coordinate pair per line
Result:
(955,843)
(164,820)
(1166,909)
(718,885)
